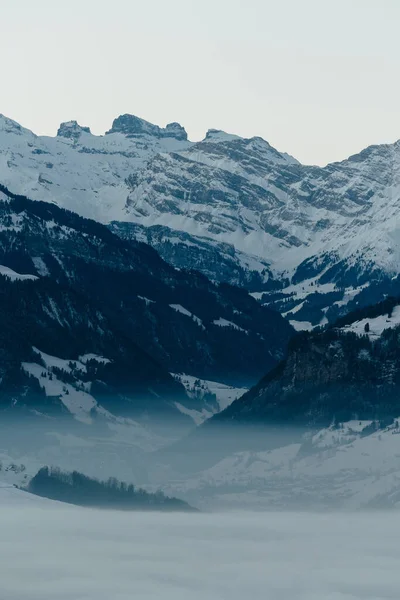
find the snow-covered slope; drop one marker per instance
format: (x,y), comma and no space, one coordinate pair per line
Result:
(70,382)
(211,396)
(80,171)
(350,465)
(15,276)
(375,326)
(245,193)
(260,218)
(334,226)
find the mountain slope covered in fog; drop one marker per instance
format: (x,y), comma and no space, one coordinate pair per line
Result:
(352,465)
(321,429)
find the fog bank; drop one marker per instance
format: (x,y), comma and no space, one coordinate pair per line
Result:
(52,552)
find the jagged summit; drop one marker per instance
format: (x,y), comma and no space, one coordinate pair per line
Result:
(217,135)
(176,130)
(10,126)
(268,219)
(253,144)
(134,126)
(71,129)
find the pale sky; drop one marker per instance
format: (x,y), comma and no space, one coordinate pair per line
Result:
(319,79)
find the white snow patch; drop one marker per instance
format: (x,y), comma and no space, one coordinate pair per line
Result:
(377,325)
(40,266)
(146,300)
(302,325)
(52,311)
(14,276)
(225,394)
(78,403)
(60,363)
(184,311)
(100,359)
(224,323)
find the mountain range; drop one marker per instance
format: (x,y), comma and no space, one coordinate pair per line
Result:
(313,239)
(147,282)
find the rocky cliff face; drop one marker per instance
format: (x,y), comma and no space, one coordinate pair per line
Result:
(309,225)
(132,126)
(330,376)
(217,260)
(72,130)
(273,222)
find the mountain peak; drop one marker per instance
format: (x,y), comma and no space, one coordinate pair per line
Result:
(9,125)
(71,129)
(131,125)
(217,135)
(176,130)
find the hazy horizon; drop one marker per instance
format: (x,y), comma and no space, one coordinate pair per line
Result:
(316,79)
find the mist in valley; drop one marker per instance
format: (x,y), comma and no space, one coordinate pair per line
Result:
(285,512)
(52,552)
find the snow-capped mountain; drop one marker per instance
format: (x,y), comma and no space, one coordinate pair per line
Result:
(296,225)
(80,171)
(235,208)
(245,193)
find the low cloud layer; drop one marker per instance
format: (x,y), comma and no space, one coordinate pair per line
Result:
(52,552)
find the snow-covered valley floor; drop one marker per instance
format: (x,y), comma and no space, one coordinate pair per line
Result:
(50,551)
